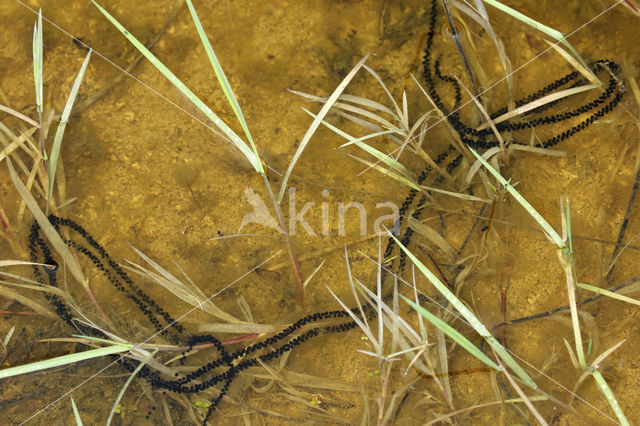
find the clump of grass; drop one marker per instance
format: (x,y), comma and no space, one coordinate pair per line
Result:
(51,160)
(247,148)
(566,259)
(40,179)
(381,121)
(374,118)
(410,345)
(389,315)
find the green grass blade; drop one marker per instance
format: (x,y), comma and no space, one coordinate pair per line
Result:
(37,60)
(248,153)
(316,122)
(565,256)
(64,360)
(222,78)
(453,334)
(608,293)
(76,414)
(126,385)
(52,163)
(557,35)
(469,317)
(608,394)
(551,233)
(570,238)
(37,76)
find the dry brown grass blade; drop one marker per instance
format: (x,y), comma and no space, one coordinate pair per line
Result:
(16,143)
(538,150)
(487,117)
(480,15)
(521,393)
(52,235)
(20,140)
(34,286)
(238,328)
(192,295)
(432,235)
(23,300)
(587,73)
(538,103)
(446,416)
(465,197)
(443,366)
(19,115)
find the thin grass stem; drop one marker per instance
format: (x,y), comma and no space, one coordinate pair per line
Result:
(126,385)
(222,79)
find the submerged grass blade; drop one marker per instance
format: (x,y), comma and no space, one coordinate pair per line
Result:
(316,122)
(126,385)
(64,360)
(76,414)
(249,154)
(469,317)
(611,399)
(48,229)
(7,293)
(565,258)
(485,113)
(178,288)
(453,334)
(222,79)
(52,163)
(525,399)
(586,72)
(37,60)
(564,255)
(387,172)
(19,115)
(37,76)
(386,159)
(4,263)
(608,293)
(551,233)
(538,103)
(543,28)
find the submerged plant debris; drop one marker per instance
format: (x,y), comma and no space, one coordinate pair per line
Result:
(140,166)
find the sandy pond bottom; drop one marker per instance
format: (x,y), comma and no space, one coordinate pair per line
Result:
(145,172)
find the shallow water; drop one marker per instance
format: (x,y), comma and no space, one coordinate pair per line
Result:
(146,170)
